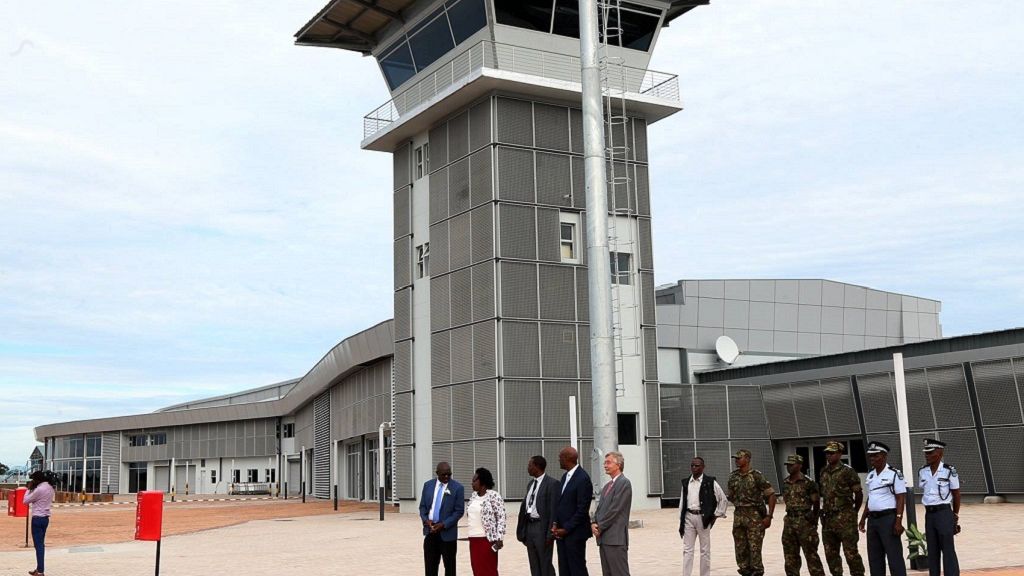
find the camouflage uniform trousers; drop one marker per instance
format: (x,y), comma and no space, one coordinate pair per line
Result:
(841,529)
(800,532)
(747,537)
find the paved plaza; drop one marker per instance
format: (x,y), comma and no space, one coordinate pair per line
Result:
(356,542)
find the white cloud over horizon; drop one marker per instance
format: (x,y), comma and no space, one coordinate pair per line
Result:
(185,211)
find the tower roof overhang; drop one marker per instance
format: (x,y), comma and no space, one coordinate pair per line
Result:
(351,24)
(680,7)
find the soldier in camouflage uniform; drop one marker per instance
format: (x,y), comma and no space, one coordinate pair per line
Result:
(841,497)
(749,492)
(800,527)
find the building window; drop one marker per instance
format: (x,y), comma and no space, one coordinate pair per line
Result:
(620,262)
(93,446)
(158,439)
(271,475)
(236,476)
(569,237)
(137,439)
(213,476)
(627,430)
(289,430)
(423,260)
(422,159)
(252,475)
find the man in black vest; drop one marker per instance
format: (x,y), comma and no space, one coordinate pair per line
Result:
(701,502)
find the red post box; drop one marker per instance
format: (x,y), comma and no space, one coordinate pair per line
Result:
(16,503)
(149,515)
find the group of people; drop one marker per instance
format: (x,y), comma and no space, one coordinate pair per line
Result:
(835,502)
(555,514)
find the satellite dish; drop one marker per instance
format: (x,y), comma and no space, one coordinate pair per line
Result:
(727,349)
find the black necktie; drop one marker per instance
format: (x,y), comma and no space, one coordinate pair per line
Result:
(533,494)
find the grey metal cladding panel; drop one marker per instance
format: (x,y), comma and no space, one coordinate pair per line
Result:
(438,139)
(518,290)
(778,407)
(1007,473)
(402,215)
(485,455)
(677,411)
(483,291)
(919,402)
(615,130)
(787,291)
(403,262)
(650,335)
(442,453)
(441,413)
(554,179)
(711,288)
(548,237)
(403,314)
(762,458)
(997,392)
(485,409)
(458,136)
(646,244)
(762,316)
(808,405)
(403,480)
(576,130)
(517,454)
(558,292)
(717,459)
(460,250)
(440,359)
(579,186)
(737,315)
(639,140)
(854,296)
(439,195)
(840,409)
(853,321)
(950,398)
(875,323)
(480,125)
(746,413)
(558,350)
(620,193)
(522,408)
(963,452)
(810,292)
(400,161)
(878,400)
(481,176)
(809,318)
(458,186)
(462,354)
(482,235)
(786,317)
(831,320)
(654,472)
(516,179)
(461,296)
(584,402)
(582,295)
(403,418)
(518,231)
(439,261)
(552,127)
(485,350)
(322,445)
(647,316)
(515,122)
(403,366)
(462,406)
(652,409)
(762,291)
(556,407)
(642,185)
(711,406)
(675,457)
(463,459)
(1018,372)
(440,308)
(710,312)
(583,341)
(520,346)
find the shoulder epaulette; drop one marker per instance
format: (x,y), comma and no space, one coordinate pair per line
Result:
(952,470)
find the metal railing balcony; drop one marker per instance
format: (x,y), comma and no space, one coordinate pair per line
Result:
(518,59)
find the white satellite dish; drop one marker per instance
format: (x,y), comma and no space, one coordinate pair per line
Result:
(727,349)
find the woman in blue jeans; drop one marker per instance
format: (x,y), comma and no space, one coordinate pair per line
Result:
(40,497)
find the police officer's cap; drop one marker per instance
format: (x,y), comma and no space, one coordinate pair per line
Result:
(876,447)
(931,444)
(741,453)
(795,459)
(834,446)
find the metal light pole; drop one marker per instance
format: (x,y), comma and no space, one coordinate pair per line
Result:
(602,352)
(381,453)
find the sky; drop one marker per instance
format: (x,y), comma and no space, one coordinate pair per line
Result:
(185,210)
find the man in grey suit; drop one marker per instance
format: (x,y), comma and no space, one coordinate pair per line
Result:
(611,520)
(535,514)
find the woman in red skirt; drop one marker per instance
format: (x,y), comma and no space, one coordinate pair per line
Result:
(486,512)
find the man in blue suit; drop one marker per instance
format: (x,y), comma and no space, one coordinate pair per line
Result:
(441,505)
(571,525)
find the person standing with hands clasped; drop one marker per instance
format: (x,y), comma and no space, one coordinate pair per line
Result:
(571,526)
(887,494)
(441,505)
(701,502)
(940,489)
(749,492)
(486,531)
(535,515)
(800,526)
(40,497)
(611,519)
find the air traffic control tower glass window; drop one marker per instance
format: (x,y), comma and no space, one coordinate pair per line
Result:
(637,23)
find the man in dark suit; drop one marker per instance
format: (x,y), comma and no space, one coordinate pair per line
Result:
(535,515)
(571,527)
(441,505)
(611,519)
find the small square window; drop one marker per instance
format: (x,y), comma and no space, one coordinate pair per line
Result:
(252,475)
(289,430)
(628,430)
(423,260)
(621,273)
(422,160)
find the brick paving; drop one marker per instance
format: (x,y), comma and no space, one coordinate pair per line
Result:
(355,541)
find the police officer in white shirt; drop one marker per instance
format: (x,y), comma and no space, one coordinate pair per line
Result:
(940,489)
(882,519)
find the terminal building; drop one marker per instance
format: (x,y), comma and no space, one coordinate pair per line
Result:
(490,336)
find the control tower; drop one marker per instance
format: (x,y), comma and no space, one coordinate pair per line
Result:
(490,264)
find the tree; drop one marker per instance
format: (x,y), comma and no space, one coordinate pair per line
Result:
(3,468)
